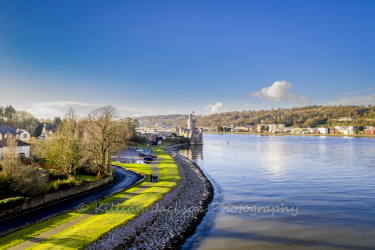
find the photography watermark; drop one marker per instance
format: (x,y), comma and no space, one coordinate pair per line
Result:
(255,209)
(120,208)
(183,209)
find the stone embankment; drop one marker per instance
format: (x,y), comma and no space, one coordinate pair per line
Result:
(170,221)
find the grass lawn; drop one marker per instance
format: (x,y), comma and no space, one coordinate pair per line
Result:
(85,177)
(34,230)
(91,229)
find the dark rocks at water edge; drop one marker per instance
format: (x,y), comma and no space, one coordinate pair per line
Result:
(171,220)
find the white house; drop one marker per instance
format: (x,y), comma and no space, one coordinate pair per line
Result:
(8,132)
(323,130)
(275,128)
(342,119)
(23,148)
(47,131)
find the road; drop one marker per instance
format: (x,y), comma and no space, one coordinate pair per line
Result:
(125,179)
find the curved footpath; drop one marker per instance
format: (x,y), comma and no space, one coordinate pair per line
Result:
(169,221)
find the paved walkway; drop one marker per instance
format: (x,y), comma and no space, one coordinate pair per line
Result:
(68,224)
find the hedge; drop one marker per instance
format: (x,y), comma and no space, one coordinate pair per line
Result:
(12,202)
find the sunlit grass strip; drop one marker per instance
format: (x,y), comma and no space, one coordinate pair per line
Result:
(93,228)
(32,231)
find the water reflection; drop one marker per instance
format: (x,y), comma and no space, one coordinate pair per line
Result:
(194,152)
(330,179)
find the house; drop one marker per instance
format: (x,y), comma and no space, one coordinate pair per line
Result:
(241,129)
(260,126)
(323,130)
(369,130)
(342,119)
(276,128)
(8,132)
(23,148)
(47,131)
(346,129)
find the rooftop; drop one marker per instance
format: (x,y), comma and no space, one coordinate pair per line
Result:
(3,143)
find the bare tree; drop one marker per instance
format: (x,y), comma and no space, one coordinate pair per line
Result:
(100,137)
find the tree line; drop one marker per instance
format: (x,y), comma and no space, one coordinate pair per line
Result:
(11,117)
(306,117)
(77,146)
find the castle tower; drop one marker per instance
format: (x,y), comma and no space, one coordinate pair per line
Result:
(194,134)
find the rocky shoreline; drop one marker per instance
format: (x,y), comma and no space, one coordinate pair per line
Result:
(171,220)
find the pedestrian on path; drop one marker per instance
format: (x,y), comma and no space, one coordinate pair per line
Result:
(151,178)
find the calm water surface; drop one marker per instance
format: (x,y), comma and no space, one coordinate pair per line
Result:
(287,192)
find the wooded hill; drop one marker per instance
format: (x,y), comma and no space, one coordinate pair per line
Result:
(309,116)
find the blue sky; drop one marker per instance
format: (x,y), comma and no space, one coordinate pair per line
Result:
(162,57)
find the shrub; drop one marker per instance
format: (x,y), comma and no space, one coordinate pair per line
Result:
(22,157)
(59,185)
(12,202)
(4,186)
(27,182)
(57,175)
(86,169)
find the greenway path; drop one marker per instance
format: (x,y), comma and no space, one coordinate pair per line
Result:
(86,219)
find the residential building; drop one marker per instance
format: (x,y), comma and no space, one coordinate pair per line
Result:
(8,132)
(47,131)
(23,148)
(369,130)
(343,119)
(259,128)
(323,130)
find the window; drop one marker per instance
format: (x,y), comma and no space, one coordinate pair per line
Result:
(24,136)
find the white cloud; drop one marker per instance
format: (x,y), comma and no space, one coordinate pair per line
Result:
(354,100)
(360,91)
(215,108)
(59,108)
(278,91)
(174,112)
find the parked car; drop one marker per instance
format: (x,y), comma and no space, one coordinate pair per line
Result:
(148,158)
(139,149)
(153,156)
(142,154)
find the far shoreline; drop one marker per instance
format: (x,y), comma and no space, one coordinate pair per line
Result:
(281,134)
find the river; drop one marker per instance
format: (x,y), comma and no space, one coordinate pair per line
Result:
(287,192)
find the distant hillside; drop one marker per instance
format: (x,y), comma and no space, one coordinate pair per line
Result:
(163,120)
(309,116)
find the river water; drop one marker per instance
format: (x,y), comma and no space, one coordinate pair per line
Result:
(287,192)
